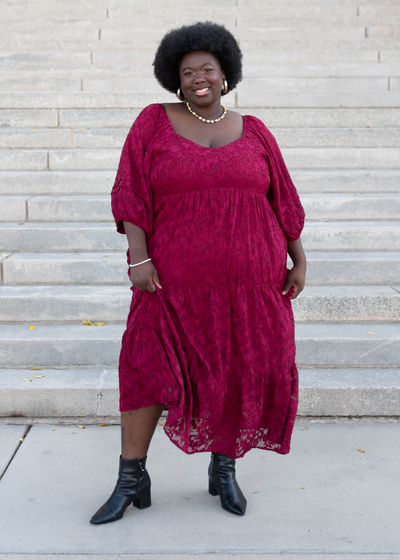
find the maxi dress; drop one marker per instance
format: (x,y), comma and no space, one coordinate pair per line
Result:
(216,344)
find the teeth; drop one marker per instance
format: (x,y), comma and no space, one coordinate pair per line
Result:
(204,89)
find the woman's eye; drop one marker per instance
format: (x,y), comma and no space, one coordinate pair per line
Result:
(209,69)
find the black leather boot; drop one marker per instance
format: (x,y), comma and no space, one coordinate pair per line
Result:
(222,481)
(133,486)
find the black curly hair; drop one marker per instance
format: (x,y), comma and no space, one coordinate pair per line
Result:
(201,36)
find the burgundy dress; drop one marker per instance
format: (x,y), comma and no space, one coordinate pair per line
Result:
(216,344)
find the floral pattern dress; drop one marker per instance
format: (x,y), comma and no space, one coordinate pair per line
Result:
(216,343)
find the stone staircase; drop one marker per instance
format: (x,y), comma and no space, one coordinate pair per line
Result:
(324,76)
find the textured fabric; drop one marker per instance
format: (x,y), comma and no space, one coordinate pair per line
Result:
(216,344)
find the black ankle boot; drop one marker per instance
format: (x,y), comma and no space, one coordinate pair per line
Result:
(222,481)
(133,486)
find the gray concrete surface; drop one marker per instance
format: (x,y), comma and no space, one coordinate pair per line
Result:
(111,303)
(100,181)
(9,442)
(80,392)
(234,555)
(333,269)
(317,236)
(318,345)
(97,208)
(324,497)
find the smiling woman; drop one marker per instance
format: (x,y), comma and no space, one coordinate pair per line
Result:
(210,212)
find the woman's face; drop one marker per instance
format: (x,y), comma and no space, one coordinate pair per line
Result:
(201,77)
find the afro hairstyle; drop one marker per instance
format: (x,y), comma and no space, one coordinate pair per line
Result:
(201,36)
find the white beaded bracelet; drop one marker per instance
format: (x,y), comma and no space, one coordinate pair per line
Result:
(137,264)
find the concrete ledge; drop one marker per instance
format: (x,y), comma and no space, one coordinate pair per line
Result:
(67,237)
(38,237)
(113,138)
(95,393)
(323,304)
(97,208)
(60,182)
(318,345)
(333,269)
(208,556)
(88,182)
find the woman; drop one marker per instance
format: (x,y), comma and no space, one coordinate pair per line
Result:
(210,212)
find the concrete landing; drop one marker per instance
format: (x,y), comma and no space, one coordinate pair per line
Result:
(324,498)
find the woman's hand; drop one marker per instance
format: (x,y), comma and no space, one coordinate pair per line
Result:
(296,278)
(144,276)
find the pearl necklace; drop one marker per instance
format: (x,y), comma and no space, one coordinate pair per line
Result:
(211,121)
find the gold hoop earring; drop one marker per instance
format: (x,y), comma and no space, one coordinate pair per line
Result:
(179,94)
(224,88)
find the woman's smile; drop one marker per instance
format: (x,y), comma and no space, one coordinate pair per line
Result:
(202,92)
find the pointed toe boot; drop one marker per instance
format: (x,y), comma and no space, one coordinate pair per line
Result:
(222,482)
(133,487)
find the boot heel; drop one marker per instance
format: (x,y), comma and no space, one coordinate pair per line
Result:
(211,488)
(143,501)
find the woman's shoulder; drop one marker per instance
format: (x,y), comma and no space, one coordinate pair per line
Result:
(256,123)
(260,129)
(151,112)
(146,123)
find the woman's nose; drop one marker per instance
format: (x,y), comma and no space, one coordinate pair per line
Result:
(198,77)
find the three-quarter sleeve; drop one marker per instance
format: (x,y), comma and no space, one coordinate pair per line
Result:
(282,193)
(131,195)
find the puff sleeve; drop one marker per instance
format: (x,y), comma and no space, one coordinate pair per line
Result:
(131,195)
(282,193)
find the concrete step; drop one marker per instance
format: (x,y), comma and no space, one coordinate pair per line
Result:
(318,345)
(299,85)
(303,43)
(94,392)
(272,59)
(333,269)
(67,237)
(78,138)
(111,303)
(339,268)
(348,206)
(307,43)
(18,118)
(293,118)
(279,118)
(108,159)
(336,33)
(36,84)
(351,236)
(249,99)
(143,69)
(285,99)
(286,16)
(17,60)
(109,138)
(69,268)
(349,392)
(97,208)
(88,100)
(348,303)
(60,182)
(100,182)
(328,158)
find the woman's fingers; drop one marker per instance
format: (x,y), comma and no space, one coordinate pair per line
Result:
(287,286)
(145,278)
(296,291)
(156,279)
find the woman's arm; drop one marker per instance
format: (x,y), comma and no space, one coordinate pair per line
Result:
(297,275)
(145,275)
